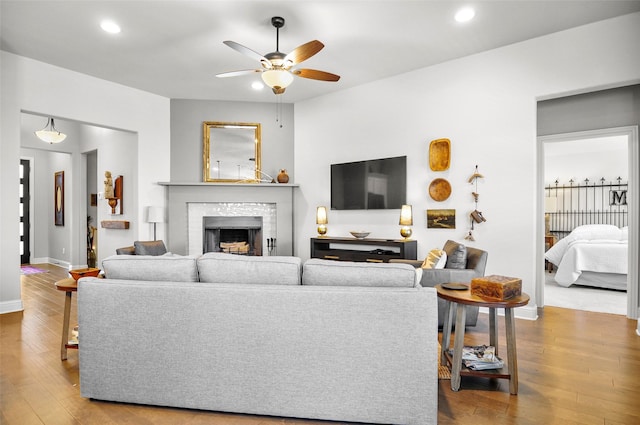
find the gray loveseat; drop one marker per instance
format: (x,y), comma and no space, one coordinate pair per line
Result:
(261,335)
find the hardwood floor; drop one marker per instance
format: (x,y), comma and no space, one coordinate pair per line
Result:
(575,367)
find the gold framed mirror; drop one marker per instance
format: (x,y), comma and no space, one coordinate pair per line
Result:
(231,152)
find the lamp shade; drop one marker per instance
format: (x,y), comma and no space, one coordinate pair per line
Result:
(406,216)
(49,133)
(155,215)
(277,78)
(321,215)
(550,204)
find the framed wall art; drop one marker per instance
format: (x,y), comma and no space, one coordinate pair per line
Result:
(441,219)
(58,198)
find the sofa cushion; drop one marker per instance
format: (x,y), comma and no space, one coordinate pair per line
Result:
(168,267)
(217,267)
(436,259)
(456,255)
(149,248)
(346,273)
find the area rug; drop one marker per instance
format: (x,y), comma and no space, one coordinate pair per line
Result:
(31,270)
(443,371)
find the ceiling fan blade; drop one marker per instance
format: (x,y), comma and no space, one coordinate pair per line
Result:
(314,74)
(248,52)
(237,73)
(304,52)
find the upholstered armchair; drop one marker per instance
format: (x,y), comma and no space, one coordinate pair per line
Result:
(475,266)
(143,248)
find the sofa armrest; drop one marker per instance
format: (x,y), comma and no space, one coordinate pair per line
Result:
(432,277)
(414,263)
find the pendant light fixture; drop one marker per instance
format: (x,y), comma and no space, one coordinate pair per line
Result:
(49,133)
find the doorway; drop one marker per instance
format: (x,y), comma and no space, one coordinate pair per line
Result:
(630,135)
(25,220)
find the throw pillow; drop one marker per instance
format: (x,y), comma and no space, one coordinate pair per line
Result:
(149,248)
(456,255)
(436,259)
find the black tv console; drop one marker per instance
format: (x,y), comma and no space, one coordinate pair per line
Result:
(370,250)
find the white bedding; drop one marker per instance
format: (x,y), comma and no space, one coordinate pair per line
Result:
(590,248)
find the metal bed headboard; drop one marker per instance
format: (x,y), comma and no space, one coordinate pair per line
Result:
(577,204)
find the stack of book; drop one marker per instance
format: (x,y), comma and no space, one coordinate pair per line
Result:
(480,357)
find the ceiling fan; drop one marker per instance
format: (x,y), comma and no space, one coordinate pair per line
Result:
(278,68)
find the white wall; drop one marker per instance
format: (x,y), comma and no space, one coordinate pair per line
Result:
(486,105)
(32,86)
(609,161)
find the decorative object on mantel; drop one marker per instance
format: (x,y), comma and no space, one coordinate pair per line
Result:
(114,224)
(439,154)
(58,198)
(283,177)
(113,193)
(155,215)
(49,133)
(359,234)
(476,216)
(439,190)
(321,220)
(406,220)
(276,68)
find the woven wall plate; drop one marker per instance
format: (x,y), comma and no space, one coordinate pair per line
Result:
(439,190)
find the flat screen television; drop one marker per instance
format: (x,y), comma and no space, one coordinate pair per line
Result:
(375,184)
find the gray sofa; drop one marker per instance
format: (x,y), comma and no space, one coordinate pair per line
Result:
(261,335)
(476,263)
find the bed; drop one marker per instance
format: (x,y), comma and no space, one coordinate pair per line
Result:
(592,255)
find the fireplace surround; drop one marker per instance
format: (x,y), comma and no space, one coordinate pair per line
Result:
(189,203)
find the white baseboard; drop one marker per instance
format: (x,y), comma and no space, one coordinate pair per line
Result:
(11,306)
(56,262)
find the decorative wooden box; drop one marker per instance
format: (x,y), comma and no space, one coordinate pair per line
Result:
(494,287)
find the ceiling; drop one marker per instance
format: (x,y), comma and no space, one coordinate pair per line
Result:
(174,48)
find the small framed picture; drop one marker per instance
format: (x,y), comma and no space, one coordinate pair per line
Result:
(94,199)
(441,219)
(58,198)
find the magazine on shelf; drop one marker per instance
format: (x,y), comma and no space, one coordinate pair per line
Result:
(480,357)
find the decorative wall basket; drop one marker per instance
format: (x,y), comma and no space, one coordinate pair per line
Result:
(440,154)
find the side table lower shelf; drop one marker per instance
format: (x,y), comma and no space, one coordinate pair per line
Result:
(488,373)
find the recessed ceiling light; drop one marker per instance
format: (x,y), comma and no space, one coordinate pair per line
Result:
(257,85)
(110,27)
(465,15)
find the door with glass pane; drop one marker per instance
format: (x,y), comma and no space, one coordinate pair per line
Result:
(25,250)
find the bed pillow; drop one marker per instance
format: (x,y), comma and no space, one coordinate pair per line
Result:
(591,232)
(436,259)
(624,235)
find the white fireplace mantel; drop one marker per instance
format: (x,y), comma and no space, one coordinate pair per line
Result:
(249,185)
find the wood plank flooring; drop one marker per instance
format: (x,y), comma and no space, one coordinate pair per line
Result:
(575,367)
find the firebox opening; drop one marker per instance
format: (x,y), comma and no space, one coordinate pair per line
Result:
(234,235)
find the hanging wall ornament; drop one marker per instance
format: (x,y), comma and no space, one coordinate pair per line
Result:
(476,216)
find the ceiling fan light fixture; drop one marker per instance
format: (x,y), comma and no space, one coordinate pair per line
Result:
(49,133)
(277,79)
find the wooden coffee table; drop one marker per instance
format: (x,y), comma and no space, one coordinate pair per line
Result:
(69,286)
(463,298)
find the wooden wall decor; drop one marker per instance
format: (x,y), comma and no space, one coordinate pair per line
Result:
(58,198)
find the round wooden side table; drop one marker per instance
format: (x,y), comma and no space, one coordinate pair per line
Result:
(69,286)
(463,298)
